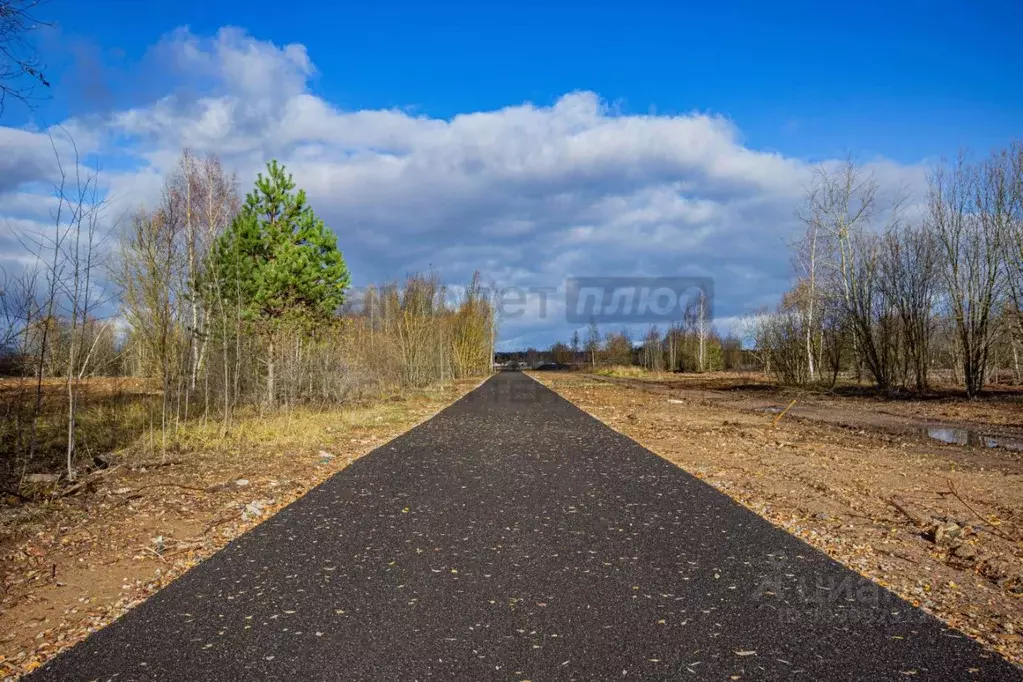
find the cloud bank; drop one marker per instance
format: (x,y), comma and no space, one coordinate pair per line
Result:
(527,194)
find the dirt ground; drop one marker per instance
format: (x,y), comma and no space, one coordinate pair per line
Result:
(855,476)
(84,556)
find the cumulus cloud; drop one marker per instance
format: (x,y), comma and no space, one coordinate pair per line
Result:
(528,194)
(26,159)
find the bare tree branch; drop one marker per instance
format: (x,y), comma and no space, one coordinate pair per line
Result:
(21,72)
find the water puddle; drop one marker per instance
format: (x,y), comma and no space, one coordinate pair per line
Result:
(954,436)
(944,434)
(773,409)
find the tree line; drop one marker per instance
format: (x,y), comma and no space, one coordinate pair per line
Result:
(899,291)
(903,291)
(691,344)
(206,306)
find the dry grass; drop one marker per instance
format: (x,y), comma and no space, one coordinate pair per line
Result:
(943,386)
(630,371)
(112,412)
(115,413)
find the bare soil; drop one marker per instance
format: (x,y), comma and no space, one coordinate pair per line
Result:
(81,557)
(854,475)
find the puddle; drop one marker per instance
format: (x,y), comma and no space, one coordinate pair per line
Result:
(954,436)
(773,409)
(944,434)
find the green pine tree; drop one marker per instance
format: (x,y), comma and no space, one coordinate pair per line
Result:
(279,262)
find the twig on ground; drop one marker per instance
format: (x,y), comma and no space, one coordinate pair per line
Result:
(156,465)
(778,418)
(995,529)
(136,493)
(217,522)
(170,485)
(155,553)
(181,548)
(897,555)
(126,500)
(917,520)
(86,482)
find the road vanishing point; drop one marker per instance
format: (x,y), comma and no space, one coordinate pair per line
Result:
(514,537)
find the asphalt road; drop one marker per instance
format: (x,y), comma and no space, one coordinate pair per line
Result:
(513,537)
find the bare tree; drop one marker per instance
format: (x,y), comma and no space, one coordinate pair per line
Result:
(592,342)
(82,258)
(618,348)
(673,345)
(48,249)
(777,338)
(969,216)
(652,355)
(64,330)
(841,260)
(17,310)
(808,253)
(697,316)
(870,311)
(748,329)
(201,199)
(470,335)
(408,312)
(146,274)
(840,204)
(171,296)
(910,279)
(20,69)
(1013,244)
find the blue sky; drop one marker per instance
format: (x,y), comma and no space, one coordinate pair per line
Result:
(692,127)
(903,79)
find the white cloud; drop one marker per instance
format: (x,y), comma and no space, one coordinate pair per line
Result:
(27,158)
(528,194)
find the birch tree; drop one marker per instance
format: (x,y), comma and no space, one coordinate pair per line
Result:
(698,318)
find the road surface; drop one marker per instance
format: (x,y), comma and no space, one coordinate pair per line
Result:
(514,537)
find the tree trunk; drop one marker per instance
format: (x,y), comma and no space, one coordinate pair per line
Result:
(271,388)
(1015,361)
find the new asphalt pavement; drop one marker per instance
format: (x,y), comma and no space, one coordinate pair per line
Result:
(514,537)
